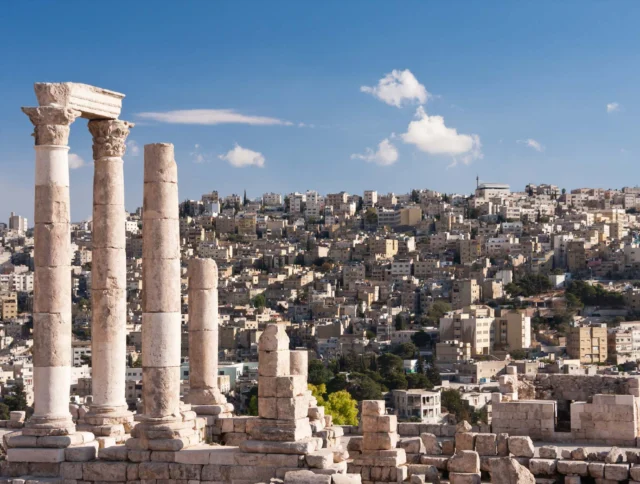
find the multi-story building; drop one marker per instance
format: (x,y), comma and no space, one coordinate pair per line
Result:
(465,293)
(370,198)
(422,404)
(474,325)
(9,306)
(272,199)
(17,223)
(588,344)
(449,352)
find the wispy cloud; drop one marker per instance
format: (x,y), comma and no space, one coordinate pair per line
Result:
(613,107)
(76,161)
(211,117)
(398,88)
(385,155)
(241,157)
(133,149)
(197,155)
(531,143)
(431,135)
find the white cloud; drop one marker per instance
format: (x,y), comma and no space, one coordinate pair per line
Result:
(398,88)
(531,143)
(133,149)
(211,117)
(241,157)
(613,107)
(429,134)
(197,156)
(75,161)
(387,154)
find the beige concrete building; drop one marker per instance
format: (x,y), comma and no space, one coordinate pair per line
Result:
(474,325)
(449,352)
(465,293)
(588,344)
(417,403)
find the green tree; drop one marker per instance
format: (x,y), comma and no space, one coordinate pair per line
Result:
(363,387)
(252,408)
(452,401)
(418,380)
(437,310)
(259,301)
(342,407)
(389,363)
(338,383)
(17,399)
(318,373)
(518,354)
(434,375)
(400,323)
(396,381)
(406,351)
(421,339)
(4,411)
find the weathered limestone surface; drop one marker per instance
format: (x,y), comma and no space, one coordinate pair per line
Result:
(506,470)
(93,102)
(109,281)
(203,333)
(52,278)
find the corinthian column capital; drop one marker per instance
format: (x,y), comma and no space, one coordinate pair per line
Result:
(52,124)
(109,137)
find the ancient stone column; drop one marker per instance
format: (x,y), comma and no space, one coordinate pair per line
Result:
(109,280)
(161,322)
(52,281)
(203,333)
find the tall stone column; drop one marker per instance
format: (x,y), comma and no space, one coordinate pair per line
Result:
(109,413)
(161,297)
(52,281)
(203,334)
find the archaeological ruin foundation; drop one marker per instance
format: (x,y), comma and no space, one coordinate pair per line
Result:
(200,439)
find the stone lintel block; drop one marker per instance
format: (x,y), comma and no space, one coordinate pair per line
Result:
(35,455)
(93,102)
(373,408)
(274,338)
(616,472)
(464,478)
(572,467)
(114,453)
(273,363)
(81,453)
(382,423)
(301,447)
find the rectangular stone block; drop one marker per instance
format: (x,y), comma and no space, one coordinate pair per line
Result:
(267,407)
(382,423)
(486,444)
(292,408)
(161,339)
(291,386)
(373,408)
(163,238)
(465,441)
(279,430)
(105,471)
(273,363)
(35,455)
(379,440)
(159,201)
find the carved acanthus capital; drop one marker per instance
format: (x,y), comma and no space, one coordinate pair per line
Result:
(109,137)
(52,124)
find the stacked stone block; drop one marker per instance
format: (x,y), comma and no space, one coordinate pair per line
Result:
(380,460)
(108,415)
(52,274)
(533,417)
(283,404)
(610,419)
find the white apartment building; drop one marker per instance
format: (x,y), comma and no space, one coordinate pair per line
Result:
(131,226)
(370,198)
(423,404)
(18,223)
(272,199)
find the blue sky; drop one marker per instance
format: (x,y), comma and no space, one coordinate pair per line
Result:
(525,86)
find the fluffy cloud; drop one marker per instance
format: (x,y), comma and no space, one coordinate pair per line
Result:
(429,134)
(75,161)
(133,149)
(613,107)
(211,117)
(398,88)
(386,154)
(241,157)
(531,143)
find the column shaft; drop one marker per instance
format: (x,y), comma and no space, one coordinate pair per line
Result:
(52,279)
(203,333)
(161,320)
(109,279)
